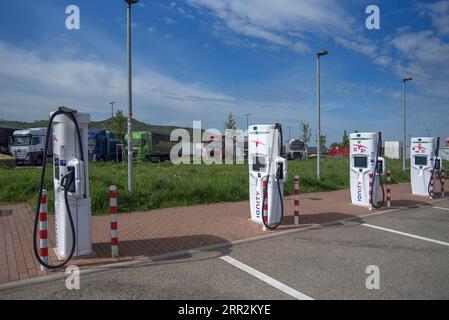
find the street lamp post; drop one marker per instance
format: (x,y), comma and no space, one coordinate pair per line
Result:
(404,142)
(289,133)
(318,160)
(247,120)
(112,108)
(130,108)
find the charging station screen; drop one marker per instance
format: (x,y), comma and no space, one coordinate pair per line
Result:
(420,161)
(360,162)
(258,164)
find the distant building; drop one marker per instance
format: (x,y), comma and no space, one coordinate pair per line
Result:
(393,149)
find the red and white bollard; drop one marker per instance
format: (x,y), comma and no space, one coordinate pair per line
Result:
(389,189)
(113,211)
(296,201)
(443,178)
(265,207)
(370,205)
(43,229)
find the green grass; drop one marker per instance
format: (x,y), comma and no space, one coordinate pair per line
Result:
(166,185)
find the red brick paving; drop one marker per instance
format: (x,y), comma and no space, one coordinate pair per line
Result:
(143,234)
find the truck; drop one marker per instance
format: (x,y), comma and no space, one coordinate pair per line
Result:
(27,146)
(5,138)
(151,146)
(295,149)
(102,146)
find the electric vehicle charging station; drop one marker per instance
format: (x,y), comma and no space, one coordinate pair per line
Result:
(71,185)
(266,163)
(365,160)
(425,164)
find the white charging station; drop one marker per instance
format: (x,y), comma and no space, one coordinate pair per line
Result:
(67,157)
(266,164)
(364,157)
(424,163)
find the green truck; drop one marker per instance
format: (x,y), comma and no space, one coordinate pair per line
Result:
(151,146)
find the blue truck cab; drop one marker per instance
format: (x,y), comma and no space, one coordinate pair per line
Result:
(102,146)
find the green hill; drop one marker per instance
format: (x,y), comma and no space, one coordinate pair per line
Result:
(93,125)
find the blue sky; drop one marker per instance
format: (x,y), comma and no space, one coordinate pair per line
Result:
(201,59)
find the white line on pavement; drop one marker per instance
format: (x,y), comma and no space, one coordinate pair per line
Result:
(406,234)
(441,208)
(267,279)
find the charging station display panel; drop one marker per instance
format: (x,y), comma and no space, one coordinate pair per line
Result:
(259,163)
(360,162)
(420,161)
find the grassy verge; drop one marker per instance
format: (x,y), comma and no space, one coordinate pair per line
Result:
(166,185)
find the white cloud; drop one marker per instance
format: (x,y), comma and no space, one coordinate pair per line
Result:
(426,58)
(169,20)
(423,46)
(439,13)
(277,22)
(358,45)
(31,86)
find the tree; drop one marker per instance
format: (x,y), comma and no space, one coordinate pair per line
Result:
(323,140)
(119,125)
(306,134)
(335,145)
(230,122)
(345,140)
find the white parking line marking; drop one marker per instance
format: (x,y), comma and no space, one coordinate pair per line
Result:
(267,279)
(441,208)
(407,234)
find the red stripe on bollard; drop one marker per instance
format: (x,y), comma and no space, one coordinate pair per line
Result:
(43,252)
(43,234)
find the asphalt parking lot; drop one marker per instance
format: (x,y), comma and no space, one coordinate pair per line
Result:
(410,248)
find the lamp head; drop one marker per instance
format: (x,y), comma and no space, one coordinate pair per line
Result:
(322,53)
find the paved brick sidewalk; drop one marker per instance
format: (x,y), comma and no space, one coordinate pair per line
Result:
(168,230)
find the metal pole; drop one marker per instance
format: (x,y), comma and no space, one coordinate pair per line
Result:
(404,144)
(318,158)
(130,110)
(247,119)
(112,109)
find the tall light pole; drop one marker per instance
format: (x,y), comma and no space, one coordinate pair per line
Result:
(112,108)
(130,101)
(289,133)
(404,142)
(318,157)
(247,120)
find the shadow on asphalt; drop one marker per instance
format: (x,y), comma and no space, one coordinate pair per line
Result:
(161,246)
(318,218)
(185,243)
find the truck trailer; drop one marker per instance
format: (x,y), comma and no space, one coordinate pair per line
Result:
(150,146)
(102,146)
